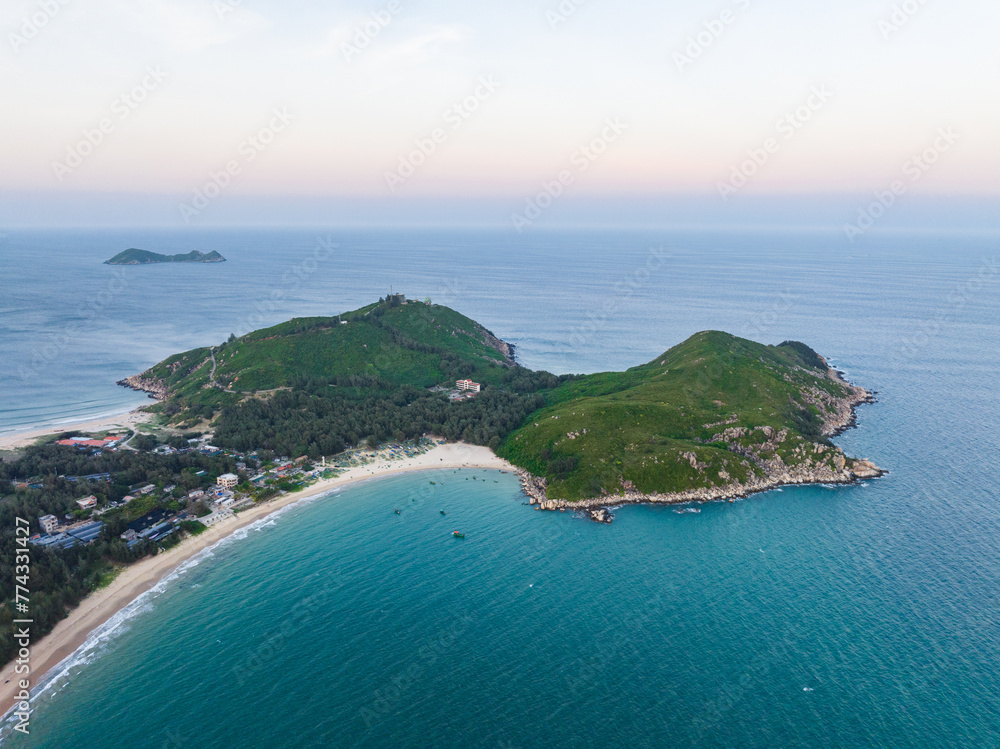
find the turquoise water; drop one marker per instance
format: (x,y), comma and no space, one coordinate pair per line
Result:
(866,615)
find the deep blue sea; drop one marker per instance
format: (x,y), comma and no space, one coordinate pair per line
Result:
(858,616)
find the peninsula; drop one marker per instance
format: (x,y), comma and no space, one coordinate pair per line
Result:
(714,417)
(134,256)
(259,420)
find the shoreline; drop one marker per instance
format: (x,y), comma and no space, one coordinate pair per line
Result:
(70,634)
(600,508)
(121,420)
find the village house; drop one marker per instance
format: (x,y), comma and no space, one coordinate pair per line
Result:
(49,523)
(228,480)
(87,503)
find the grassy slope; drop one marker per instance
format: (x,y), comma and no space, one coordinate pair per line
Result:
(323,347)
(643,425)
(650,428)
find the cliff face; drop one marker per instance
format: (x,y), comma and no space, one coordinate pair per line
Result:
(505,348)
(155,388)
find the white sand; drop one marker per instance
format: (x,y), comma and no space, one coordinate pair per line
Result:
(97,608)
(124,422)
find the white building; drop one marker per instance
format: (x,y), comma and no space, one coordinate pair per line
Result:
(228,480)
(467,385)
(216,517)
(87,503)
(48,523)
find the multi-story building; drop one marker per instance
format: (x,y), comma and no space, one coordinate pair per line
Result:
(467,385)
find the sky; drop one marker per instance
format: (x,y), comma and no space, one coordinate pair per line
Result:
(204,112)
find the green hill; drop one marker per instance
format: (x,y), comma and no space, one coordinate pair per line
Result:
(384,345)
(134,256)
(716,415)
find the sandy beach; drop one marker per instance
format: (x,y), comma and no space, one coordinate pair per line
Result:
(93,611)
(124,422)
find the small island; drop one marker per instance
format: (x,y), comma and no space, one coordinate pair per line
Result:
(133,256)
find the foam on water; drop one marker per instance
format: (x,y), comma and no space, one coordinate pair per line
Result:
(99,640)
(695,632)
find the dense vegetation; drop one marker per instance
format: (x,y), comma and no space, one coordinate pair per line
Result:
(703,414)
(133,256)
(384,345)
(59,579)
(312,386)
(319,419)
(654,428)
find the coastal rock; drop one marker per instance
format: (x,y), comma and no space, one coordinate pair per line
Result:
(601,515)
(839,415)
(153,387)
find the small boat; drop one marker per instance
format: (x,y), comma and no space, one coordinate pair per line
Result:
(397,511)
(456,534)
(432,483)
(442,512)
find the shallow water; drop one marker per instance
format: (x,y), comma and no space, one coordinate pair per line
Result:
(847,616)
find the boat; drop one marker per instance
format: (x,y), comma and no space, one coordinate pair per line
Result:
(456,534)
(397,511)
(442,512)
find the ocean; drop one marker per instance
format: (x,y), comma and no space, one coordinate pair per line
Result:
(864,615)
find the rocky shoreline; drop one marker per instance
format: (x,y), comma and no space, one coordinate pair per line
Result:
(842,418)
(154,388)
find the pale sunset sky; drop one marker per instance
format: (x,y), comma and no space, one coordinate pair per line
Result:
(118,110)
